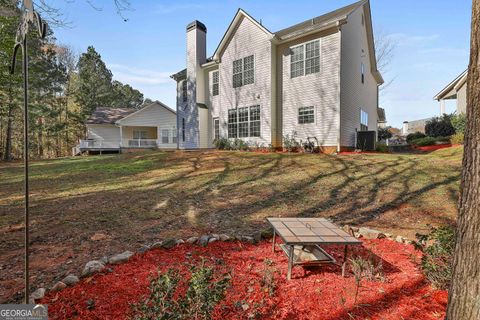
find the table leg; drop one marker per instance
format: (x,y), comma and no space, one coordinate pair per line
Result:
(344,261)
(290,261)
(273,241)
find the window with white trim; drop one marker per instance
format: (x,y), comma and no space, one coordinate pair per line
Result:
(174,135)
(244,122)
(255,121)
(215,83)
(165,135)
(216,128)
(363,120)
(139,134)
(306,115)
(232,123)
(243,71)
(184,91)
(305,59)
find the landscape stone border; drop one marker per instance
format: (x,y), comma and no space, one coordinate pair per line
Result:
(95,266)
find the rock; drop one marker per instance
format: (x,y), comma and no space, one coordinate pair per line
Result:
(267,233)
(120,258)
(399,239)
(37,294)
(180,241)
(59,286)
(224,237)
(156,245)
(143,249)
(247,239)
(92,267)
(212,240)
(169,243)
(99,237)
(203,241)
(257,236)
(368,233)
(216,236)
(192,240)
(104,260)
(245,306)
(70,280)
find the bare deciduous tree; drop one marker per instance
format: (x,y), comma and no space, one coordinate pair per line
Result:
(464,294)
(384,51)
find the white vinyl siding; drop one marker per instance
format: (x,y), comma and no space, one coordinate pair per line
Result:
(305,59)
(319,91)
(109,134)
(306,115)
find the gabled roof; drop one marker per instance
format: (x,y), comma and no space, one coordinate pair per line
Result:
(239,16)
(450,90)
(153,104)
(104,115)
(317,22)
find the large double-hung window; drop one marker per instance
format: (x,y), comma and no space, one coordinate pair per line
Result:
(243,71)
(363,120)
(244,122)
(305,59)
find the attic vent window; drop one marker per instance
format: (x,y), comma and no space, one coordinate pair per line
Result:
(305,59)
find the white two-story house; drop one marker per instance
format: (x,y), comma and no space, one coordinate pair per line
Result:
(317,79)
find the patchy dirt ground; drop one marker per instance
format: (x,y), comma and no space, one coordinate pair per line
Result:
(398,292)
(87,207)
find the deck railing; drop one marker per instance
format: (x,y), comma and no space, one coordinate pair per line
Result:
(139,143)
(99,144)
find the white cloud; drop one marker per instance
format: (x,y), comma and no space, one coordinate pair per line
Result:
(133,75)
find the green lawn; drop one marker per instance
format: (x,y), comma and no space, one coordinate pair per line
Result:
(138,198)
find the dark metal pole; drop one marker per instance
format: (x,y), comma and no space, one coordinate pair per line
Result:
(25,161)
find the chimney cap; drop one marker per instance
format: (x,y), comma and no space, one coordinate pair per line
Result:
(196,24)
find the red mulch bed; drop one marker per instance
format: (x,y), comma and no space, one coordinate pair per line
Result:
(434,147)
(319,293)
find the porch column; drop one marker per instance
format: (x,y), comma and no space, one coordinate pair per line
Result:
(158,136)
(121,136)
(442,107)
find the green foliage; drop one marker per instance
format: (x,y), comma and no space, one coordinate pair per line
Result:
(458,122)
(437,259)
(384,133)
(415,136)
(223,144)
(124,96)
(457,138)
(440,126)
(381,147)
(167,301)
(290,143)
(426,141)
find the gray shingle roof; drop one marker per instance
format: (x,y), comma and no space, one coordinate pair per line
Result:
(318,22)
(103,115)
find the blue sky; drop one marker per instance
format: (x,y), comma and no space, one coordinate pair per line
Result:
(432,41)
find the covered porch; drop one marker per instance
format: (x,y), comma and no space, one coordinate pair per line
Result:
(147,137)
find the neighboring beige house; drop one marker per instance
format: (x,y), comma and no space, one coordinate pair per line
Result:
(117,129)
(457,89)
(414,126)
(318,79)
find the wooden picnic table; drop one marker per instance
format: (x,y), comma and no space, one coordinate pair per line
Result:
(303,238)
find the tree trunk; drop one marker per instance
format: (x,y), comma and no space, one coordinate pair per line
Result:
(8,136)
(464,293)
